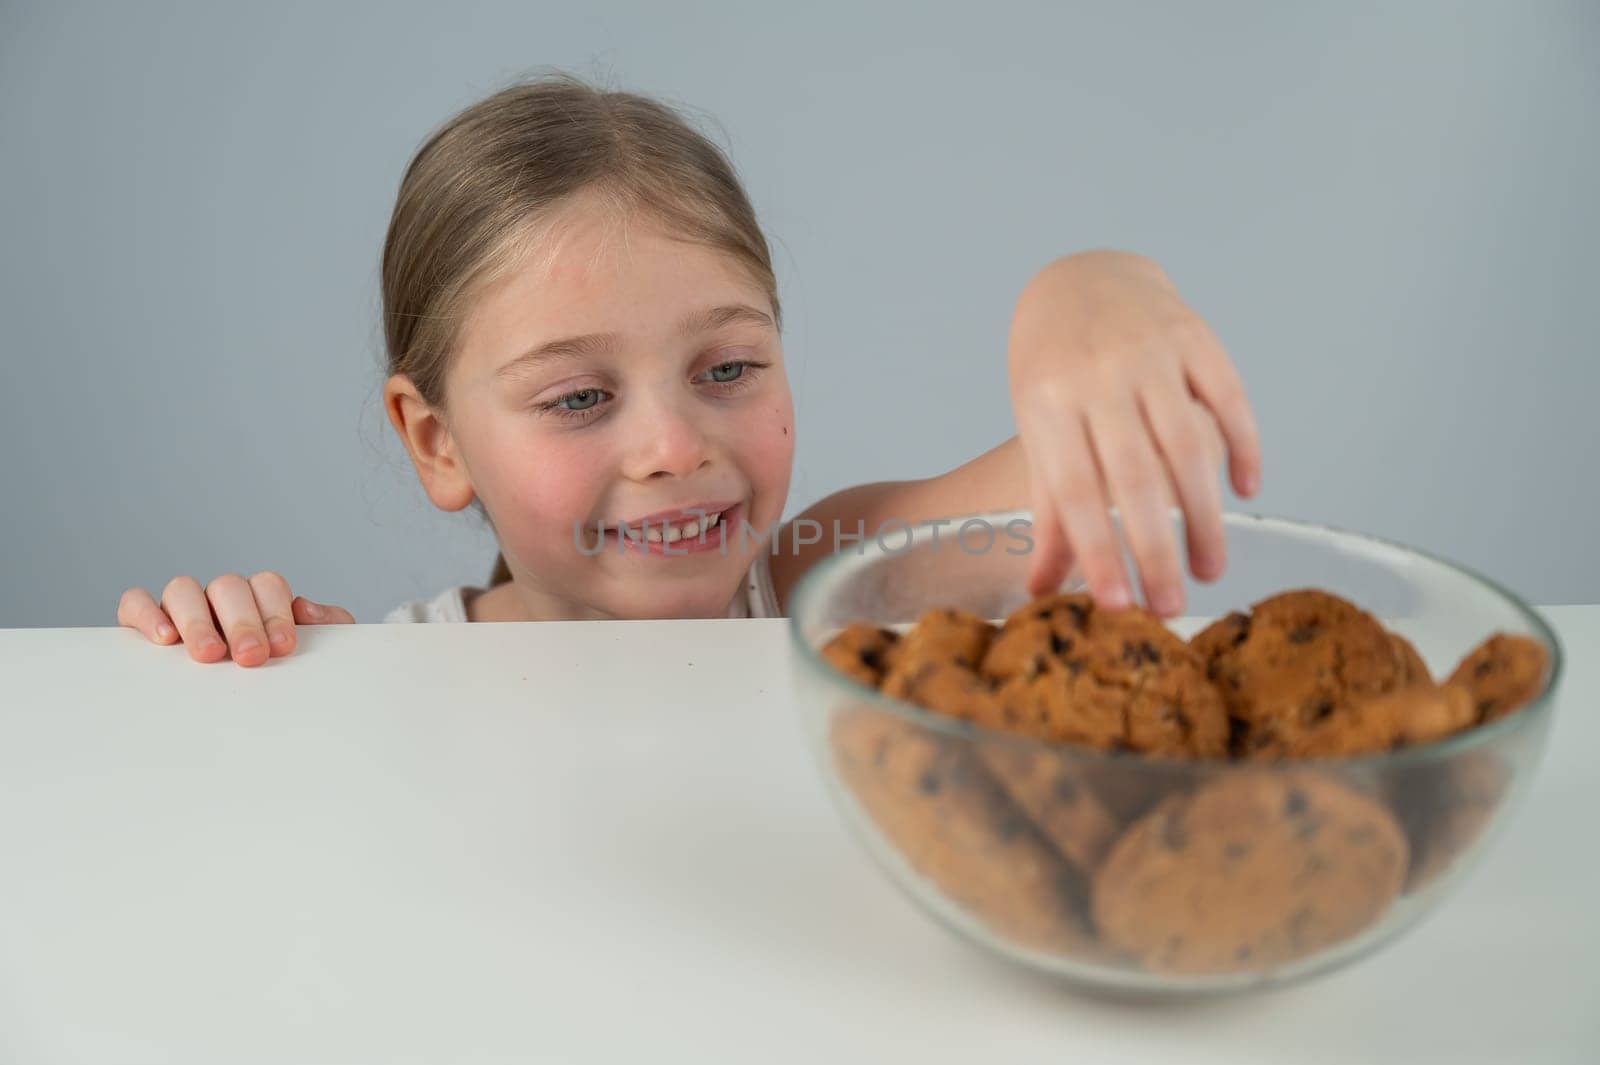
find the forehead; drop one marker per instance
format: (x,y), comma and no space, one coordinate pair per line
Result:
(592,268)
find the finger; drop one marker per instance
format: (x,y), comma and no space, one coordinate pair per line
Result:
(1071,475)
(273,600)
(310,612)
(1052,555)
(1183,434)
(1134,477)
(1214,380)
(235,606)
(137,610)
(185,603)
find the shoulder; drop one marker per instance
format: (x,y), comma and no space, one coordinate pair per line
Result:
(448,605)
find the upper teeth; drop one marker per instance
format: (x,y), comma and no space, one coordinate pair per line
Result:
(673,533)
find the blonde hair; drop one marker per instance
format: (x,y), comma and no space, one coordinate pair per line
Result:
(482,184)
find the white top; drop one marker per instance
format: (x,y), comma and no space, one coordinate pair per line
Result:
(609,842)
(757,599)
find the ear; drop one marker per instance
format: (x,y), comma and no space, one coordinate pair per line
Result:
(428,441)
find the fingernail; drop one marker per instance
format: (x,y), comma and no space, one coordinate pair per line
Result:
(249,643)
(1168,603)
(313,610)
(164,631)
(210,643)
(1116,597)
(280,639)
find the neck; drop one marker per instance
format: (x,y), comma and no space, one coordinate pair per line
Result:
(514,602)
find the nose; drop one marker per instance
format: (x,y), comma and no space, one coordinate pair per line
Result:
(667,442)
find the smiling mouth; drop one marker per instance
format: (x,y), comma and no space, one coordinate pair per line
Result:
(693,529)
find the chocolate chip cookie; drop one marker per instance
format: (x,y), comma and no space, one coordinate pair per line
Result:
(1503,674)
(1069,671)
(1052,789)
(1296,660)
(945,815)
(937,684)
(861,651)
(1415,713)
(1251,871)
(946,635)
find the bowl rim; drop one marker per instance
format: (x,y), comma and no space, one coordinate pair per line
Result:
(1438,750)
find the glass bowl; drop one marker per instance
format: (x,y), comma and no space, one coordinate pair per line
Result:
(1348,852)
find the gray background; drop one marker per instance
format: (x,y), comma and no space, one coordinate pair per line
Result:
(1387,212)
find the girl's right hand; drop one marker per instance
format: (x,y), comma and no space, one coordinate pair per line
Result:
(257,615)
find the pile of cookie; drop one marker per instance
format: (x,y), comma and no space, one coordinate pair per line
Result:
(1215,850)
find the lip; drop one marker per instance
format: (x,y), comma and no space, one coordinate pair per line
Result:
(716,541)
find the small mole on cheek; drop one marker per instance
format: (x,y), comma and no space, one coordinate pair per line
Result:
(785,430)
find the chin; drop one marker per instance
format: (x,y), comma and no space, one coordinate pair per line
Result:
(696,603)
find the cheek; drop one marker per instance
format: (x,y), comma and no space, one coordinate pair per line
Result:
(766,450)
(543,495)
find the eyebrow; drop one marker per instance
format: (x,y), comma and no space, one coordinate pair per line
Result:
(592,344)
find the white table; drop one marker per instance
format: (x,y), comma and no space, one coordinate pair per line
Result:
(607,842)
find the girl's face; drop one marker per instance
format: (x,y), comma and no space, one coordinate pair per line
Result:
(616,374)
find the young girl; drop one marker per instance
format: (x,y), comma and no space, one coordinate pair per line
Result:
(583,333)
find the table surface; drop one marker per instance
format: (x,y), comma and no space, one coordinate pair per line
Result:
(600,841)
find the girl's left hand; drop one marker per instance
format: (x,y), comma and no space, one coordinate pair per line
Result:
(1124,396)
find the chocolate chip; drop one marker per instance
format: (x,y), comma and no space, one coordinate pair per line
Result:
(1080,614)
(1150,653)
(871,658)
(1057,644)
(1237,731)
(1295,804)
(929,784)
(1065,788)
(1484,668)
(1243,623)
(1303,633)
(1297,926)
(1321,710)
(1310,827)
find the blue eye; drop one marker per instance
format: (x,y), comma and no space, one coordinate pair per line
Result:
(728,371)
(576,405)
(582,399)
